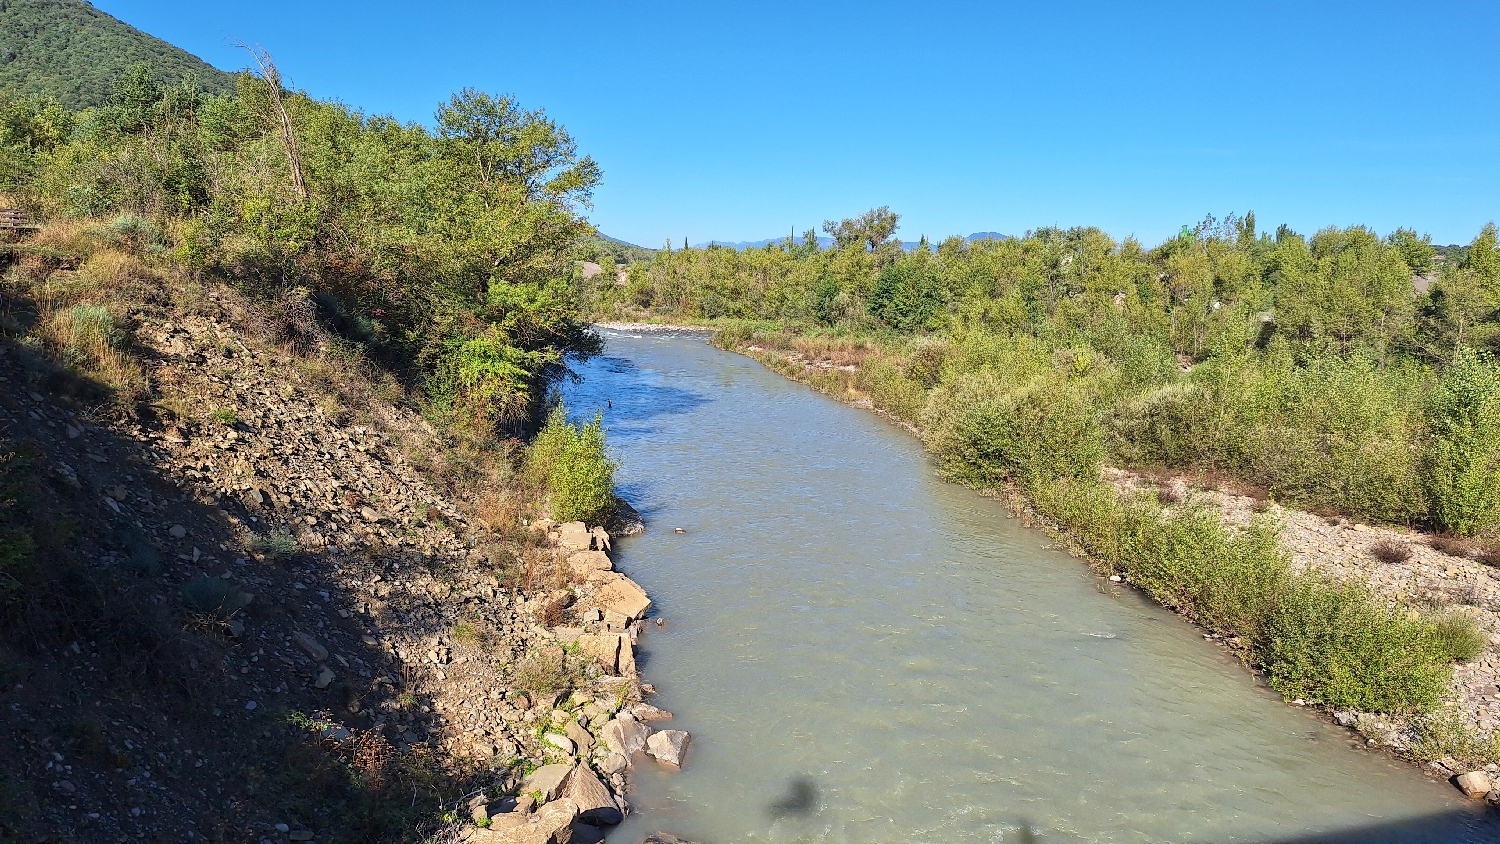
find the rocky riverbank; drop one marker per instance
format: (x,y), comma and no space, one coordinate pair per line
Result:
(279,607)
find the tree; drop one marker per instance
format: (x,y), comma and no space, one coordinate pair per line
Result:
(504,144)
(869,230)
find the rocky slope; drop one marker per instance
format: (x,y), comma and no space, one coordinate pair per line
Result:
(264,606)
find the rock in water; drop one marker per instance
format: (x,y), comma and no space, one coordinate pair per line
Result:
(1474,783)
(664,838)
(625,736)
(626,521)
(595,805)
(668,746)
(623,596)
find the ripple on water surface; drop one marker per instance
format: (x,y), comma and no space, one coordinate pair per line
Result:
(865,653)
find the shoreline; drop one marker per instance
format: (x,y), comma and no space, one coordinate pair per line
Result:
(1473,694)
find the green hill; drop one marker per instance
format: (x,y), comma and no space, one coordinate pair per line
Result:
(71,51)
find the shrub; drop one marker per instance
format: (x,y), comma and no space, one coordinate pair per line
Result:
(275,545)
(1334,643)
(1490,556)
(573,466)
(1453,546)
(214,597)
(543,673)
(1463,462)
(1390,552)
(890,389)
(986,433)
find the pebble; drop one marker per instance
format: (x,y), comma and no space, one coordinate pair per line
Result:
(250,705)
(177,531)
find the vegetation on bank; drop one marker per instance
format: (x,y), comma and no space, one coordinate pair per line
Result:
(571,465)
(385,263)
(1309,368)
(441,255)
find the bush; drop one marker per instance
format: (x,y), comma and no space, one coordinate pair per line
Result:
(1318,639)
(987,434)
(573,466)
(1391,552)
(1334,643)
(545,672)
(890,389)
(1463,463)
(214,597)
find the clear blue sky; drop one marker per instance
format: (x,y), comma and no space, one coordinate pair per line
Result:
(746,120)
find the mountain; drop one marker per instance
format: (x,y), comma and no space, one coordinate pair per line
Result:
(73,52)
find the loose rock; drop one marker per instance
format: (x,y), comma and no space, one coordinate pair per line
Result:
(1474,783)
(669,746)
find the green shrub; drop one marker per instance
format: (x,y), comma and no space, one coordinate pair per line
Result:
(1337,644)
(890,389)
(1463,465)
(275,545)
(1318,639)
(987,432)
(573,465)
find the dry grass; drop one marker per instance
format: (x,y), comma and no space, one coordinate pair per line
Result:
(1450,545)
(1390,552)
(1490,556)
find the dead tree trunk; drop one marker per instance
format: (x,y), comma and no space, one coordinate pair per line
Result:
(272,77)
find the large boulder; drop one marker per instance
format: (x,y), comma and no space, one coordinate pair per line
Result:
(625,735)
(626,521)
(604,648)
(1474,783)
(595,804)
(552,824)
(601,538)
(548,780)
(622,595)
(584,562)
(668,746)
(575,536)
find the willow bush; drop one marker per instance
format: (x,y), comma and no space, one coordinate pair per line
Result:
(573,466)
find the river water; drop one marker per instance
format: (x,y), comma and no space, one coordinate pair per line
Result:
(865,653)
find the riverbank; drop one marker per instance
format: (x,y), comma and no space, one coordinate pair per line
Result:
(1454,739)
(306,615)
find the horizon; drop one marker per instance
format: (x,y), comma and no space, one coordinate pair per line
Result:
(730,126)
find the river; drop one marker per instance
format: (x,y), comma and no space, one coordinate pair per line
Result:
(865,653)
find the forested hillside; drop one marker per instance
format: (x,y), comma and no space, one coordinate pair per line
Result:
(73,53)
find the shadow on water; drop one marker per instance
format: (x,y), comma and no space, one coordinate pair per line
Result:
(630,397)
(801,799)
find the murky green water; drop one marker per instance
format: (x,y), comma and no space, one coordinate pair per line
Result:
(892,659)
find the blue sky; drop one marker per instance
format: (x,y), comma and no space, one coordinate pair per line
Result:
(747,120)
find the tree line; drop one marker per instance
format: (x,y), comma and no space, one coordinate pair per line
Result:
(1344,370)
